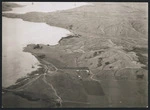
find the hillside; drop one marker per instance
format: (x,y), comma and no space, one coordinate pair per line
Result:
(6,6)
(120,21)
(109,39)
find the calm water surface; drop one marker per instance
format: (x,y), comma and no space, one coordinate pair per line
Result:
(17,33)
(46,6)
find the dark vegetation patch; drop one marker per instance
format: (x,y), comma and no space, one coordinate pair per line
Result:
(70,27)
(93,88)
(10,100)
(99,62)
(69,36)
(37,47)
(145,67)
(107,63)
(142,59)
(97,53)
(100,52)
(28,95)
(140,76)
(42,56)
(34,96)
(139,51)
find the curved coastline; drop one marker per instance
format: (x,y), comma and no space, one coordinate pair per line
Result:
(83,50)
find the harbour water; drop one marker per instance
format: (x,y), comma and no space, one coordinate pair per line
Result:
(17,33)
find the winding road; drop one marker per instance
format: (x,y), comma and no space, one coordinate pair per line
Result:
(46,68)
(59,98)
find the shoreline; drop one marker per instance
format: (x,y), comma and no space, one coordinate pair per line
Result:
(21,16)
(56,21)
(39,71)
(93,48)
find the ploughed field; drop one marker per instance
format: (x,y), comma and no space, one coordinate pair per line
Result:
(103,64)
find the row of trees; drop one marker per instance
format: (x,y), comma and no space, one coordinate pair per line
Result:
(37,47)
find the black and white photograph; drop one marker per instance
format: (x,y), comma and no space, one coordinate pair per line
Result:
(74,54)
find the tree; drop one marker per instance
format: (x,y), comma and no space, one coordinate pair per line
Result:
(70,27)
(37,47)
(95,53)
